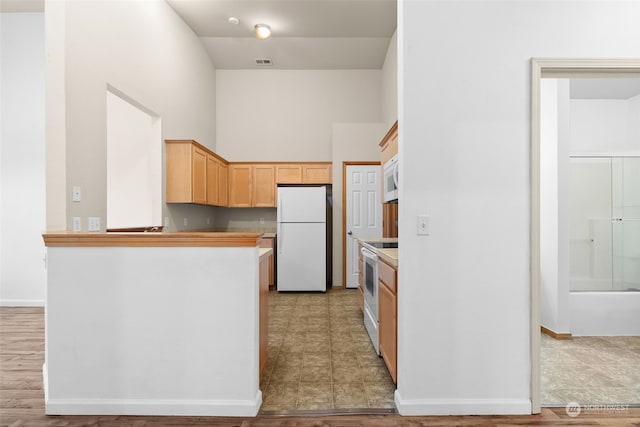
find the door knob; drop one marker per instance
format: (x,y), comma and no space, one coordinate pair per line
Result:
(350,233)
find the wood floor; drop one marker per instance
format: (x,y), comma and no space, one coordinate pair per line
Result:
(22,400)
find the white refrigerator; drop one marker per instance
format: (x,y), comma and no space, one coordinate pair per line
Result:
(302,239)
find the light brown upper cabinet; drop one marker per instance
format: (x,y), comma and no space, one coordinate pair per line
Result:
(240,181)
(213,190)
(264,186)
(304,173)
(389,144)
(223,184)
(317,173)
(193,174)
(252,185)
(289,173)
(197,175)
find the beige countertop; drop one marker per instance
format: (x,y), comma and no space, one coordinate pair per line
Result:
(377,239)
(390,256)
(189,239)
(264,252)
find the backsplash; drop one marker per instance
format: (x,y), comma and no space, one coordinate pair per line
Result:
(246,219)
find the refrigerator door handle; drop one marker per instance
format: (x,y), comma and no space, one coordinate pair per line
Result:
(280,239)
(279,211)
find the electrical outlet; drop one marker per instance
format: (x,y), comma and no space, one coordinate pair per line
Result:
(185,221)
(94,223)
(77,223)
(76,194)
(261,220)
(166,221)
(208,220)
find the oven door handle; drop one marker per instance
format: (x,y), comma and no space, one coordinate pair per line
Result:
(368,254)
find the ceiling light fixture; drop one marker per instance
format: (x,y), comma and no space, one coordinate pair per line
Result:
(262,31)
(233,20)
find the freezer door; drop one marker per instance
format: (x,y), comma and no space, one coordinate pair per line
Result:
(302,204)
(301,257)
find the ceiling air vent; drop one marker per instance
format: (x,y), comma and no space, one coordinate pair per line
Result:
(264,61)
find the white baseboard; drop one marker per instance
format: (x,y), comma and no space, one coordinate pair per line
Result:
(22,303)
(45,381)
(161,407)
(409,407)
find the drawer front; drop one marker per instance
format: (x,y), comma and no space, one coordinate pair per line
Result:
(387,274)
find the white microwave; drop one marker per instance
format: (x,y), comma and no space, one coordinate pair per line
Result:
(390,180)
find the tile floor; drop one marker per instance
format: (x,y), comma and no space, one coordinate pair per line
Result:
(590,370)
(320,356)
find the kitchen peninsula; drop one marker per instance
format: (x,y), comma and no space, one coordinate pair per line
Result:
(154,323)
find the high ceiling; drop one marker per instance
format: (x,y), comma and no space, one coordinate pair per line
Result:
(307,34)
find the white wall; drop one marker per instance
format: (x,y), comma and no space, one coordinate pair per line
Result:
(602,125)
(124,338)
(145,51)
(351,142)
(22,159)
(464,290)
(633,132)
(390,83)
(554,215)
(287,115)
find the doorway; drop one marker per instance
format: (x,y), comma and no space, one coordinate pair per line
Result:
(554,68)
(361,214)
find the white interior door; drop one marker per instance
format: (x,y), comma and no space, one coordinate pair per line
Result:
(363,206)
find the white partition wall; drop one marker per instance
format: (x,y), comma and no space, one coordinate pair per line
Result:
(22,159)
(129,332)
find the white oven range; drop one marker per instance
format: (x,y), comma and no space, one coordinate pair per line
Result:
(370,276)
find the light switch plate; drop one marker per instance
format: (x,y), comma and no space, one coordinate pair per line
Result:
(76,194)
(77,223)
(423,225)
(94,223)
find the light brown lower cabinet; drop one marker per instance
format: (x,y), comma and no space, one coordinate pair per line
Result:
(264,313)
(388,317)
(269,242)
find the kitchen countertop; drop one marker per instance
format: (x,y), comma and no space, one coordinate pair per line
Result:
(389,255)
(264,252)
(377,239)
(163,239)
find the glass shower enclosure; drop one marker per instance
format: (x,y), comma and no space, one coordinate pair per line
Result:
(604,223)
